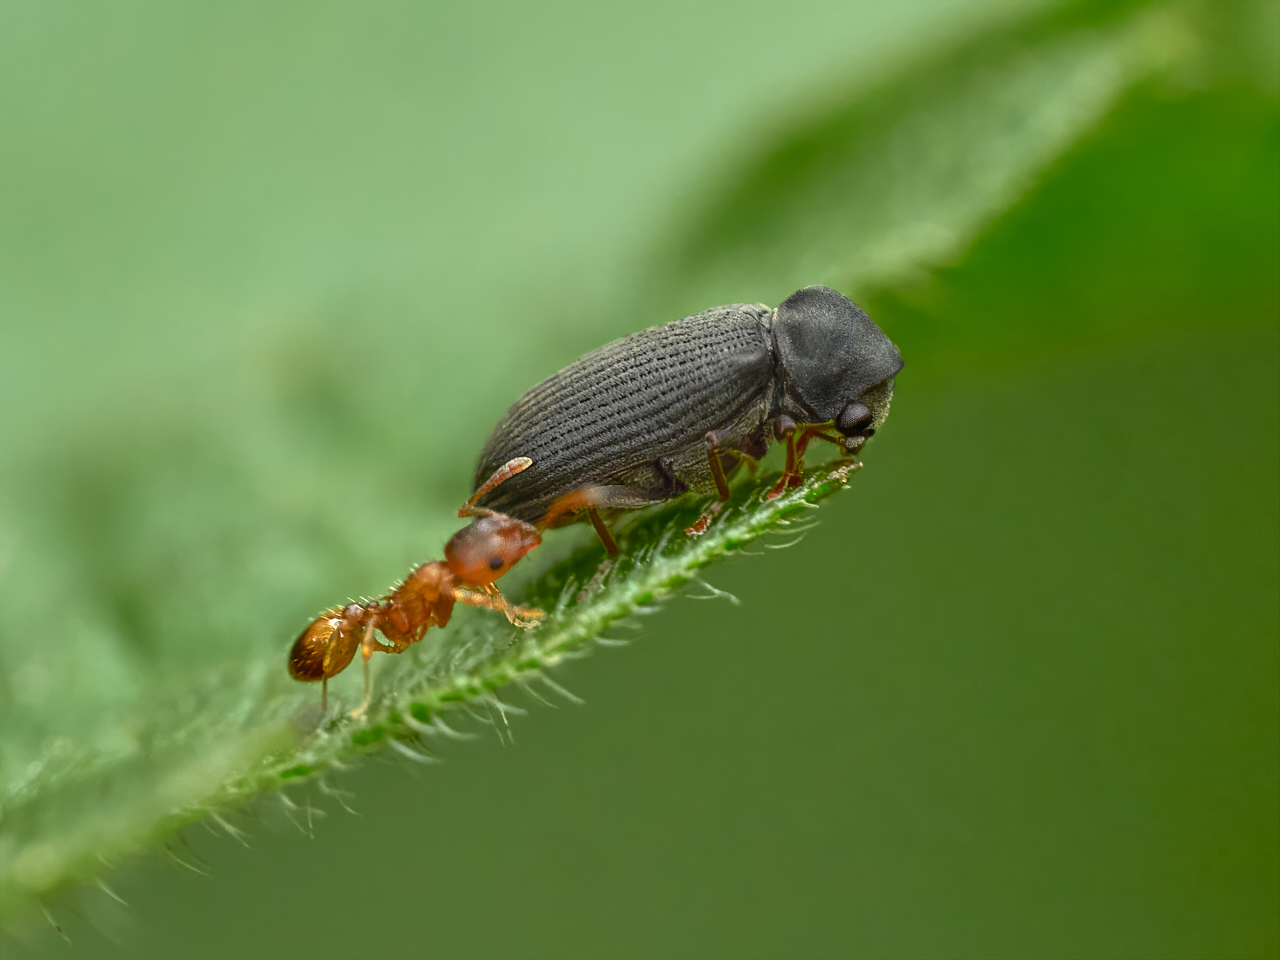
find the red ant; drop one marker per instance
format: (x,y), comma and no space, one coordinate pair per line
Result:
(475,557)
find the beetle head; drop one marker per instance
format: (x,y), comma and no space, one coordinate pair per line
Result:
(840,366)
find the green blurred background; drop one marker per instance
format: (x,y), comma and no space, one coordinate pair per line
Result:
(271,272)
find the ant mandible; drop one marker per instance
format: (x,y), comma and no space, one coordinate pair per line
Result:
(475,557)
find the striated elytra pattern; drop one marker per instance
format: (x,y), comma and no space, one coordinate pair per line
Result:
(633,401)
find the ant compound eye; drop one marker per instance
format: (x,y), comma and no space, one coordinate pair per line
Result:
(495,563)
(854,419)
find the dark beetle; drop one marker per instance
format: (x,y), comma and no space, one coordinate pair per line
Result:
(676,408)
(641,420)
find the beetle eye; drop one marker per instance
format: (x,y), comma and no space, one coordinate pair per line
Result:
(854,419)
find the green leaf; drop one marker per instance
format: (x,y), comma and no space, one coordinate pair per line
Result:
(901,178)
(199,715)
(219,759)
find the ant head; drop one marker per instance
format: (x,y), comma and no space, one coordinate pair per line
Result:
(326,646)
(488,547)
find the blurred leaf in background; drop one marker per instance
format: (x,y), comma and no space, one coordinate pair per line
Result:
(270,274)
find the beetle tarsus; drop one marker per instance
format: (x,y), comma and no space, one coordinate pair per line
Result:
(843,469)
(700,525)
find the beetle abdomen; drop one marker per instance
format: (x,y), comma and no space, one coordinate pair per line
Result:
(644,398)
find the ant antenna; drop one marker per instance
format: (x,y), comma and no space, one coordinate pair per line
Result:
(501,475)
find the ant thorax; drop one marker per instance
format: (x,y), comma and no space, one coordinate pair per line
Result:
(425,598)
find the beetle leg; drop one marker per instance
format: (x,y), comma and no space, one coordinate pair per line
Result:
(812,433)
(590,499)
(802,444)
(817,433)
(714,439)
(603,532)
(794,470)
(789,470)
(700,525)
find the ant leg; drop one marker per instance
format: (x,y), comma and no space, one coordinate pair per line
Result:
(491,599)
(368,644)
(501,475)
(324,696)
(512,610)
